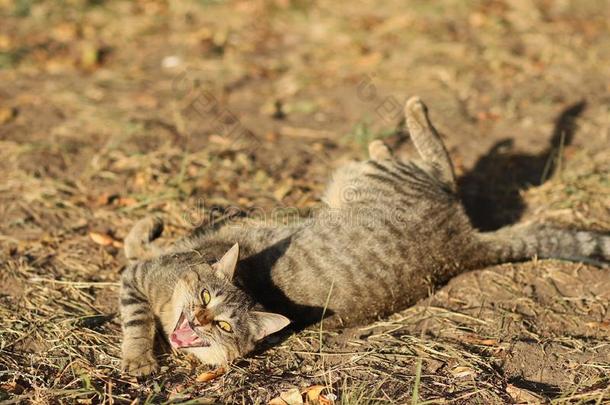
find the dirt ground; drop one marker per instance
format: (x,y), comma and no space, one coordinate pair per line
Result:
(111,110)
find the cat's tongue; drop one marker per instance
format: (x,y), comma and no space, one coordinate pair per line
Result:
(184,335)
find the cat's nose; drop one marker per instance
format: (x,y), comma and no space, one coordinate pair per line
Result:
(203,316)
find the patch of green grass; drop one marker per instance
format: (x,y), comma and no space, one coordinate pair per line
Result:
(363,134)
(352,393)
(205,3)
(10,59)
(22,8)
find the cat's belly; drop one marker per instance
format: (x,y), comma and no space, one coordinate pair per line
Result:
(354,277)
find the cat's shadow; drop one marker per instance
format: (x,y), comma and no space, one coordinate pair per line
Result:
(490,191)
(258,282)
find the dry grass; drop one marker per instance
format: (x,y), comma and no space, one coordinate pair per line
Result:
(95,133)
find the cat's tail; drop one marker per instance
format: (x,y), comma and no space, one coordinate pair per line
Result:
(138,242)
(525,241)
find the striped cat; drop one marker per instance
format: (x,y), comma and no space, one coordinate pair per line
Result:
(390,232)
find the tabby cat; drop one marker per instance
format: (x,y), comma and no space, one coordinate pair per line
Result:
(391,231)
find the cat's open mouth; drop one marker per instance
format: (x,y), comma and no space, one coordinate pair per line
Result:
(184,335)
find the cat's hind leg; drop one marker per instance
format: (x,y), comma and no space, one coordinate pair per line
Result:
(427,141)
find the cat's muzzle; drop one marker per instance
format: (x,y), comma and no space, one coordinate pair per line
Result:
(185,336)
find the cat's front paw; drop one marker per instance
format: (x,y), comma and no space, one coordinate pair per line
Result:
(140,366)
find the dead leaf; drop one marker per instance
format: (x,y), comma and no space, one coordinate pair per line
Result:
(146,100)
(477,19)
(283,190)
(370,60)
(487,116)
(102,239)
(310,395)
(59,65)
(462,371)
(598,325)
(308,133)
(13,387)
(521,395)
(290,397)
(5,42)
(313,393)
(65,32)
(219,140)
(126,201)
(479,341)
(106,198)
(7,114)
(272,136)
(210,375)
(140,180)
(328,399)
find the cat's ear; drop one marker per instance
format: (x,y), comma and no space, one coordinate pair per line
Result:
(226,265)
(268,323)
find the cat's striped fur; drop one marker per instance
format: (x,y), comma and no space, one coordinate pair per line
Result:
(391,232)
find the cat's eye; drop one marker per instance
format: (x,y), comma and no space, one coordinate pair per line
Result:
(205,296)
(225,326)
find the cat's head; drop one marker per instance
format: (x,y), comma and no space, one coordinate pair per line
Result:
(216,320)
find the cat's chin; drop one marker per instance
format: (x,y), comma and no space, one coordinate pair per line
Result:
(213,355)
(184,335)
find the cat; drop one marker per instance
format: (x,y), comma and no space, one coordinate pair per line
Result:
(177,292)
(390,232)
